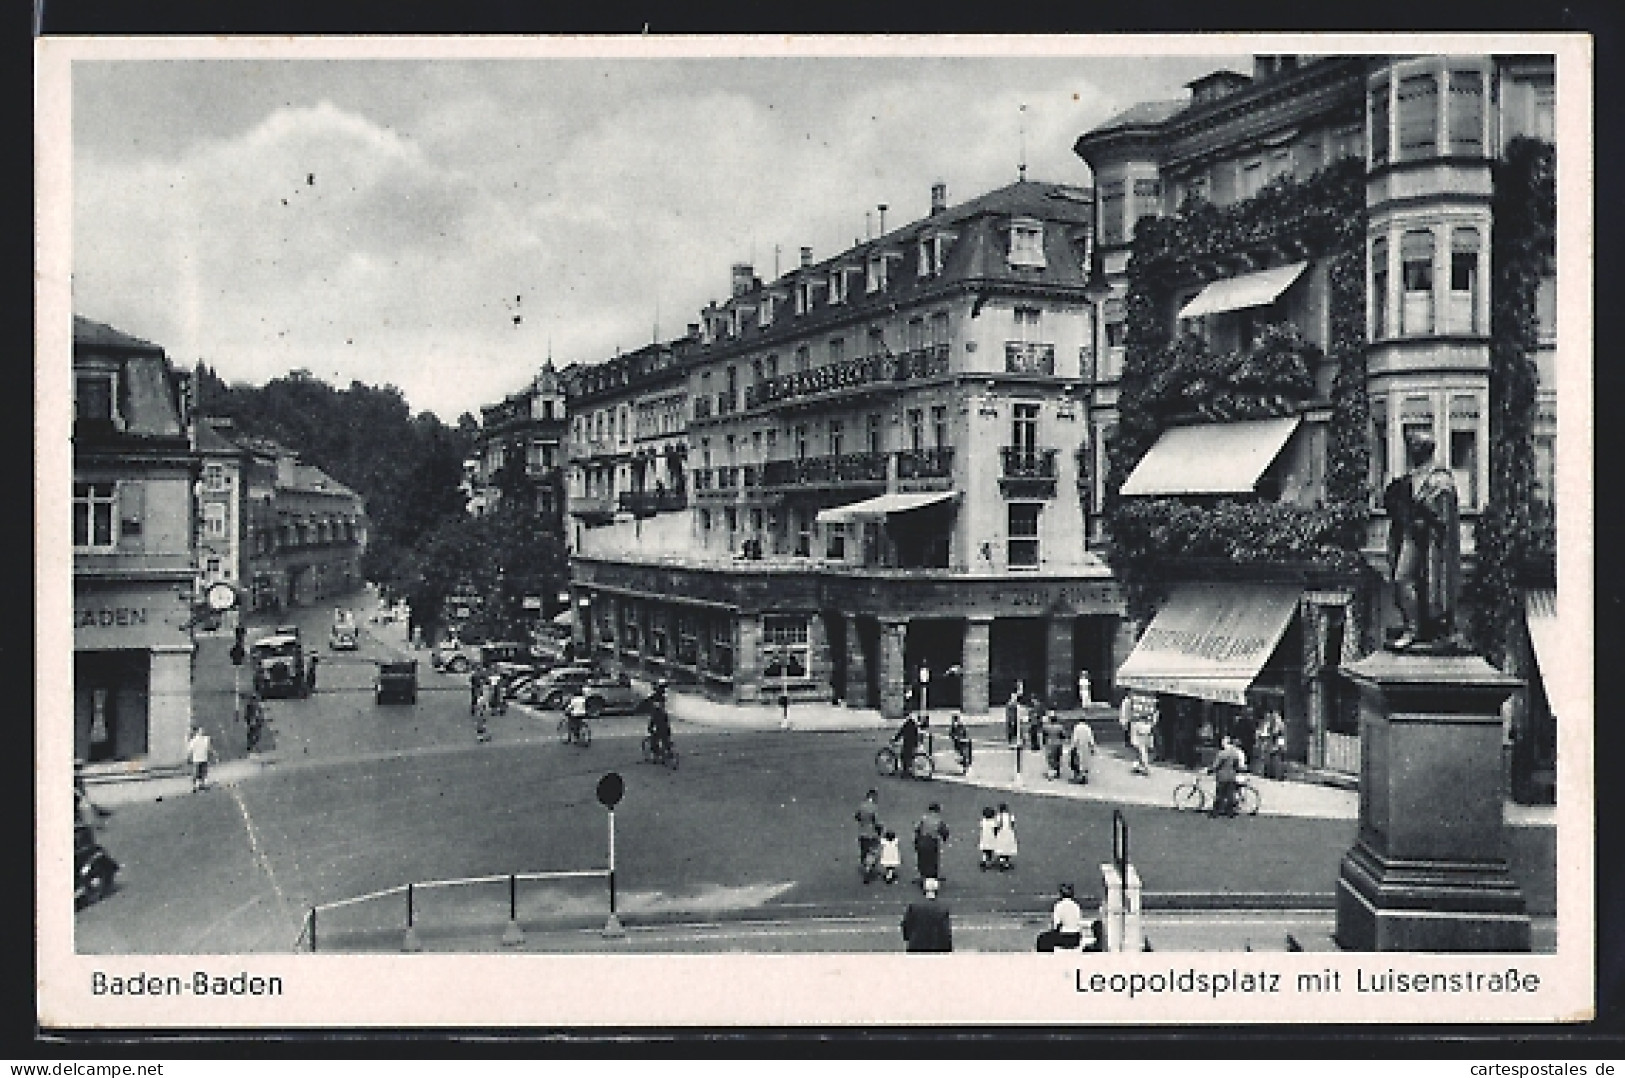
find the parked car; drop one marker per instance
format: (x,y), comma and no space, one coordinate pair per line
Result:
(455,656)
(345,635)
(617,695)
(554,688)
(396,680)
(280,666)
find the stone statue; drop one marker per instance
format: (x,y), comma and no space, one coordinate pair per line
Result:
(1424,548)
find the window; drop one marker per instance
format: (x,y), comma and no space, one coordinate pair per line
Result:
(688,644)
(1416,266)
(214,477)
(1023,535)
(705,520)
(1464,448)
(1545,113)
(1379,288)
(1147,198)
(939,424)
(94,505)
(629,627)
(916,429)
(1024,428)
(875,276)
(1379,447)
(771,369)
(914,334)
(1111,213)
(837,349)
(1415,418)
(211,568)
(214,521)
(732,397)
(93,397)
(772,444)
(835,437)
(1463,281)
(1028,324)
(1467,113)
(803,358)
(1544,488)
(722,644)
(785,651)
(657,633)
(872,433)
(939,328)
(835,542)
(1027,242)
(801,441)
(1418,116)
(1252,178)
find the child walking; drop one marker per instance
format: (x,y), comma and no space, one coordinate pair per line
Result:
(891,856)
(987,842)
(1004,838)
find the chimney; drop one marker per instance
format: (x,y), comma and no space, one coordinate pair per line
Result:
(939,197)
(882,209)
(693,331)
(743,275)
(806,258)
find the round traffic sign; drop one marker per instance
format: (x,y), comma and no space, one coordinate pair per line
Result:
(221,596)
(610,789)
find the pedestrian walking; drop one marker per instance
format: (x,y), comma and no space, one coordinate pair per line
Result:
(987,836)
(891,857)
(1065,931)
(868,819)
(1054,745)
(1035,726)
(1081,750)
(1142,729)
(310,674)
(1269,743)
(927,923)
(1005,847)
(476,693)
(200,751)
(960,736)
(1086,694)
(1012,715)
(254,720)
(1125,717)
(930,835)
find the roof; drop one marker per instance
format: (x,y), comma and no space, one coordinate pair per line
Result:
(90,334)
(1210,458)
(1145,114)
(210,440)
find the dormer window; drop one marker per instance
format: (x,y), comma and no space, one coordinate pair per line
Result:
(1027,242)
(93,397)
(764,313)
(933,253)
(875,277)
(837,286)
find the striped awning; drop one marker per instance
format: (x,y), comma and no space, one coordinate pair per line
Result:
(882,506)
(1209,641)
(1211,458)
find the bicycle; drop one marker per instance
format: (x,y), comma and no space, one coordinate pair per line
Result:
(668,757)
(1192,796)
(888,763)
(581,734)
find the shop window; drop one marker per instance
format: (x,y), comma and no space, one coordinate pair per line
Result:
(1416,267)
(1379,123)
(94,506)
(1467,113)
(1023,535)
(1418,116)
(786,653)
(1379,288)
(1463,301)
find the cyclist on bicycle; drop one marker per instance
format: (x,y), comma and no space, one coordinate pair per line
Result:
(909,736)
(575,713)
(659,723)
(1226,769)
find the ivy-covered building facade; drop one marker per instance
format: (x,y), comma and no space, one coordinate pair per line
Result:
(1299,268)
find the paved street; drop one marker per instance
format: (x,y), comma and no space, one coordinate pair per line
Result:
(756,827)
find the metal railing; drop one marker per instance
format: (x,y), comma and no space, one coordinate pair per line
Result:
(862,371)
(925,463)
(1022,462)
(845,468)
(1026,357)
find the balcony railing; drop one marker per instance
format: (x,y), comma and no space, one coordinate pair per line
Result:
(1025,357)
(1027,472)
(863,371)
(702,480)
(728,477)
(846,468)
(925,463)
(645,503)
(590,508)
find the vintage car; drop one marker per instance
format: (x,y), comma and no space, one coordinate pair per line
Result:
(397,680)
(345,635)
(615,695)
(554,688)
(455,657)
(280,666)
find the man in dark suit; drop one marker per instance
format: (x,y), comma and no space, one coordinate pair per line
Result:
(927,925)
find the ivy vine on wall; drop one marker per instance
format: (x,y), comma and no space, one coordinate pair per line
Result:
(1323,216)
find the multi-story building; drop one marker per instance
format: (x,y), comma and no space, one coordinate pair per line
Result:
(888,461)
(222,523)
(306,532)
(520,450)
(134,557)
(1317,271)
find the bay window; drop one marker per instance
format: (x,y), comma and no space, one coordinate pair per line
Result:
(1416,269)
(1462,305)
(1418,116)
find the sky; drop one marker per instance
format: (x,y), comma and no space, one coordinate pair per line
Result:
(446,224)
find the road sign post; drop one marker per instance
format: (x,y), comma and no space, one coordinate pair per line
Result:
(610,789)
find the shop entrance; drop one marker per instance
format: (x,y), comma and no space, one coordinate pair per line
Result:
(1016,653)
(938,644)
(109,705)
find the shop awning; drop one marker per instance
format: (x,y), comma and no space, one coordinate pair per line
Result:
(1540,615)
(1210,640)
(1212,458)
(1242,291)
(878,508)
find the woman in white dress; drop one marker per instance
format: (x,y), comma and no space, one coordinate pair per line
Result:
(1004,838)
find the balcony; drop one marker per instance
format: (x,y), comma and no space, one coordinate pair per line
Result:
(850,374)
(848,468)
(593,510)
(1025,357)
(925,463)
(646,503)
(1026,472)
(728,477)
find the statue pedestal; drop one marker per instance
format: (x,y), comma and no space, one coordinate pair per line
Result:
(1429,871)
